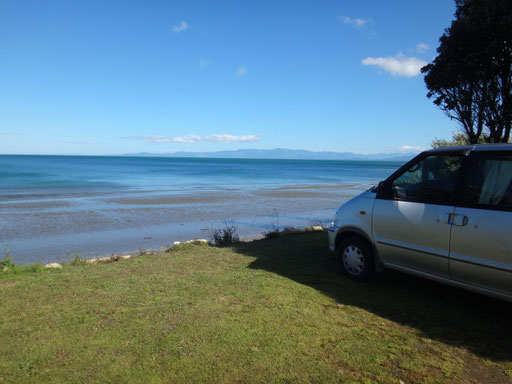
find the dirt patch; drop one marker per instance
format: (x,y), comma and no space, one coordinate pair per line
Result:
(485,373)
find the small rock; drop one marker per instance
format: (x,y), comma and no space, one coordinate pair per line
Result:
(5,269)
(53,265)
(125,257)
(91,261)
(290,230)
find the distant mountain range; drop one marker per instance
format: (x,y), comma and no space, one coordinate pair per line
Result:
(281,153)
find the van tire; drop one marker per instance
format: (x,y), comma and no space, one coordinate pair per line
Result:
(356,258)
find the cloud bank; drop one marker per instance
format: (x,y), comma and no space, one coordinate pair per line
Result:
(410,148)
(398,65)
(191,139)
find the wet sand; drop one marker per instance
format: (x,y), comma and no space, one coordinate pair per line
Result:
(57,226)
(334,186)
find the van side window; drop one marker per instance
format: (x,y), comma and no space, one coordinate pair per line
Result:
(431,180)
(489,183)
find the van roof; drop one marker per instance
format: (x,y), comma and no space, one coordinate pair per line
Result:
(476,147)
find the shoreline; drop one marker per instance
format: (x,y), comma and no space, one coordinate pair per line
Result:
(6,262)
(97,225)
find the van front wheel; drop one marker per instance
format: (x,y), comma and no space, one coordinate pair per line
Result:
(356,258)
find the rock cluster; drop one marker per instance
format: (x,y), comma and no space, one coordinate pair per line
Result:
(108,259)
(196,241)
(290,230)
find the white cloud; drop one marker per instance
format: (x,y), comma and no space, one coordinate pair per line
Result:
(191,139)
(181,27)
(357,23)
(398,65)
(241,71)
(422,48)
(410,148)
(205,63)
(225,138)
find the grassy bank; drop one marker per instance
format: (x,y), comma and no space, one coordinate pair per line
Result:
(265,311)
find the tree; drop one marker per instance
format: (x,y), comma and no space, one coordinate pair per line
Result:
(458,138)
(471,78)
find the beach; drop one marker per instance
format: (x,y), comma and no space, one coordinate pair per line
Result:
(52,230)
(64,206)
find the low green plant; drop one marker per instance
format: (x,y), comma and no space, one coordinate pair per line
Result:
(6,263)
(7,266)
(77,260)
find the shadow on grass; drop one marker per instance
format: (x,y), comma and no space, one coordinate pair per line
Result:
(453,316)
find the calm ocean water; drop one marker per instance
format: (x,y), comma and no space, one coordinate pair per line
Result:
(28,174)
(53,207)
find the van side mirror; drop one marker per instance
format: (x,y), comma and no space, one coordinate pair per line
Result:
(382,190)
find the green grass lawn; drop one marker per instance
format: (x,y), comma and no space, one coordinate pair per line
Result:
(265,311)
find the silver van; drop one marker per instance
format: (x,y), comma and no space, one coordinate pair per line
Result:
(445,215)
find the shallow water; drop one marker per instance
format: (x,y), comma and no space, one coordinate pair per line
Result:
(53,207)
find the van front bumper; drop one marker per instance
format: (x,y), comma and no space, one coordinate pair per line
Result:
(332,231)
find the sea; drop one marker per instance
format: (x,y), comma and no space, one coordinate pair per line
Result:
(53,208)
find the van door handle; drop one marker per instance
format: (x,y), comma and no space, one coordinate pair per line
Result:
(446,218)
(460,220)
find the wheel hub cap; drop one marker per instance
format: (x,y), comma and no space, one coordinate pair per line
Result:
(353,260)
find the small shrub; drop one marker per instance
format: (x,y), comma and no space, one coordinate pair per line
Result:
(77,260)
(6,264)
(225,236)
(273,233)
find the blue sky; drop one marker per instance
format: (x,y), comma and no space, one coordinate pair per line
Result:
(112,77)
